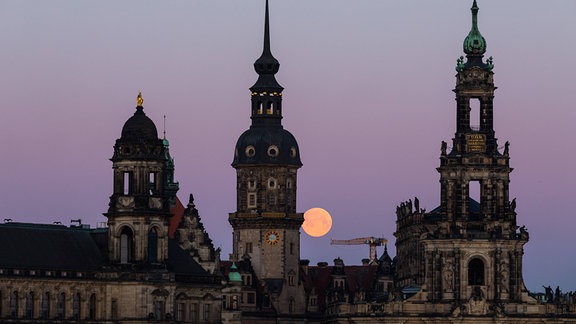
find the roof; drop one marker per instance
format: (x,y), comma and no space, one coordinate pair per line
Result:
(139,126)
(177,213)
(181,262)
(48,247)
(317,280)
(473,208)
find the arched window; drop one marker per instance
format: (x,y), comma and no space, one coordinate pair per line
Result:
(269,108)
(76,306)
(153,245)
(476,272)
(29,305)
(126,245)
(92,307)
(14,304)
(45,306)
(291,305)
(61,306)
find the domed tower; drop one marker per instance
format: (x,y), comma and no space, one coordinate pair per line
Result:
(139,209)
(266,158)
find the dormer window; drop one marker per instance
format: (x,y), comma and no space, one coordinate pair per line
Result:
(250,151)
(273,151)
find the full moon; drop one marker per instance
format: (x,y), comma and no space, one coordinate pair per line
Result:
(317,222)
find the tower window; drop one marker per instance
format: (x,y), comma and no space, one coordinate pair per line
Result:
(127,179)
(126,245)
(252,200)
(250,151)
(248,247)
(271,183)
(251,184)
(152,181)
(475,114)
(273,151)
(270,108)
(292,248)
(153,245)
(476,272)
(475,198)
(291,278)
(271,199)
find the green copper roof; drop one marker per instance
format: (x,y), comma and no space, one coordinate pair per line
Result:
(234,276)
(474,43)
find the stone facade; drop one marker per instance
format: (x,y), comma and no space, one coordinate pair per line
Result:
(458,263)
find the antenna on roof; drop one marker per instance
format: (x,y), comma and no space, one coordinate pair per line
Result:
(164,126)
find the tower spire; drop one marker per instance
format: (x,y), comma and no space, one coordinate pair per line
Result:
(267,32)
(474,46)
(266,65)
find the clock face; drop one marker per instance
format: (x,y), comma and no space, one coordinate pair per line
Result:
(272,237)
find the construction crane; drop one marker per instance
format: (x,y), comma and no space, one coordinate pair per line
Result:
(372,241)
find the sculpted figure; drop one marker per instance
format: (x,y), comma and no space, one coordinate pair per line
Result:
(513,205)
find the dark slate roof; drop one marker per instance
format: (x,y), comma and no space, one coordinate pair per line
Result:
(473,208)
(180,261)
(47,247)
(261,139)
(139,126)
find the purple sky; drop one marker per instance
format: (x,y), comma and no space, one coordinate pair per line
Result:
(368,96)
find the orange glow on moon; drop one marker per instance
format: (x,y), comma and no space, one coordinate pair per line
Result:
(317,222)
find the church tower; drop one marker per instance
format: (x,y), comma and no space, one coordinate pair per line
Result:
(139,209)
(266,225)
(468,251)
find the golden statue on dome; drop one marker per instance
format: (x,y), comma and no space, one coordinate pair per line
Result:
(139,100)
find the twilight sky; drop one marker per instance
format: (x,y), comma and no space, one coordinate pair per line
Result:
(368,96)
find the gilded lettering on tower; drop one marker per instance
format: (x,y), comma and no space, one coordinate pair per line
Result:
(476,143)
